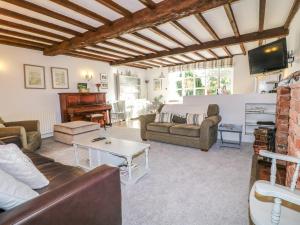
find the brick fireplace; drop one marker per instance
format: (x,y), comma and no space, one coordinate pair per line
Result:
(294,131)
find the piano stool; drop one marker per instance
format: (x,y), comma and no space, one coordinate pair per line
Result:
(97,118)
(68,132)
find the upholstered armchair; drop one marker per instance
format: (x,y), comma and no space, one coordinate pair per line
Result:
(27,131)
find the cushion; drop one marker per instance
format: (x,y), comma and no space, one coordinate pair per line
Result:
(179,119)
(163,118)
(14,162)
(159,127)
(194,119)
(2,125)
(13,192)
(185,130)
(213,110)
(32,136)
(76,127)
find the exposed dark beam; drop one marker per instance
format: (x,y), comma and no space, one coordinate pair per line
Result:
(262,9)
(149,64)
(125,40)
(165,60)
(101,58)
(155,62)
(207,60)
(41,23)
(165,36)
(82,56)
(11,43)
(113,50)
(27,36)
(176,59)
(244,38)
(31,29)
(148,3)
(44,11)
(200,55)
(213,54)
(83,11)
(210,30)
(233,23)
(115,7)
(149,40)
(22,41)
(293,11)
(139,66)
(187,57)
(102,53)
(123,47)
(165,11)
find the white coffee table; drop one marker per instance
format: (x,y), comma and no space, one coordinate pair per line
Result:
(118,147)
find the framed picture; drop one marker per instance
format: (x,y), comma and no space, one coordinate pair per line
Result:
(34,77)
(60,78)
(157,85)
(104,85)
(103,77)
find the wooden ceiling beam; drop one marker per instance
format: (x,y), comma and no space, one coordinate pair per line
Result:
(115,7)
(83,11)
(200,55)
(165,36)
(187,57)
(185,31)
(155,62)
(22,41)
(197,61)
(292,13)
(27,36)
(138,66)
(149,64)
(10,43)
(176,59)
(244,38)
(213,54)
(41,23)
(44,11)
(113,50)
(210,30)
(101,58)
(102,53)
(262,10)
(82,56)
(165,11)
(164,60)
(148,3)
(233,23)
(123,48)
(127,41)
(149,40)
(31,29)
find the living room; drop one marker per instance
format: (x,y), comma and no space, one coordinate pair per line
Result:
(149,112)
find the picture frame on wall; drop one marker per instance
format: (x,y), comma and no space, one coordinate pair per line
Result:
(157,85)
(104,85)
(103,77)
(60,78)
(34,77)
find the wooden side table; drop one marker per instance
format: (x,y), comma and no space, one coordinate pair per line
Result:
(231,128)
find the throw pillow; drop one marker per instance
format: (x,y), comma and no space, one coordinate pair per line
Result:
(14,162)
(13,192)
(163,118)
(179,119)
(194,119)
(2,125)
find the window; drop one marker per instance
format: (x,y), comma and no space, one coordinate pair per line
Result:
(200,82)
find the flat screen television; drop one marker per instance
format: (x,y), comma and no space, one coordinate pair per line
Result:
(272,56)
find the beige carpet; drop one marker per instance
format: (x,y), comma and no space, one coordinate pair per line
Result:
(185,186)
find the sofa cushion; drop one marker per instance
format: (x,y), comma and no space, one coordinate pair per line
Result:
(179,119)
(159,127)
(185,130)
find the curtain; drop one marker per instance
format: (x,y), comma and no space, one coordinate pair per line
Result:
(220,63)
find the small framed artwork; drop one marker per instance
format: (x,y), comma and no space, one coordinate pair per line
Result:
(103,77)
(157,85)
(104,85)
(34,77)
(60,78)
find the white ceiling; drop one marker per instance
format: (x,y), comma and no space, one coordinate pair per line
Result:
(246,13)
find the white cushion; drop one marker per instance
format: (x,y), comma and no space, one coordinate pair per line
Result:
(14,162)
(194,119)
(2,125)
(13,192)
(163,118)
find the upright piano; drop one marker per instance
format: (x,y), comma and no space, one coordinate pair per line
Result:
(76,106)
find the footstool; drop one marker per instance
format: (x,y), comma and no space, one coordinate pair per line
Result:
(68,132)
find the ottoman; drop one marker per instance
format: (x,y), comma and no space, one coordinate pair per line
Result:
(68,132)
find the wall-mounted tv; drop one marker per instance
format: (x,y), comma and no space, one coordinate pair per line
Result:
(272,56)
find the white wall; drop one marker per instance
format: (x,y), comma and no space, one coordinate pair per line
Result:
(293,42)
(16,100)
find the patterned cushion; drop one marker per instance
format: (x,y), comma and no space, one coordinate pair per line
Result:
(179,119)
(194,119)
(163,118)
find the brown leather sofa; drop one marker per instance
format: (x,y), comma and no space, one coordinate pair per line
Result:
(73,197)
(202,137)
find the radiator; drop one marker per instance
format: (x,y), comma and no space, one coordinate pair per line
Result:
(47,120)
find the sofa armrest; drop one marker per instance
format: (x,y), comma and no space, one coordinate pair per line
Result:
(93,198)
(15,131)
(29,125)
(209,131)
(145,120)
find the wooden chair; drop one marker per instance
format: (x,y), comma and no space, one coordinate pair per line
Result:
(273,204)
